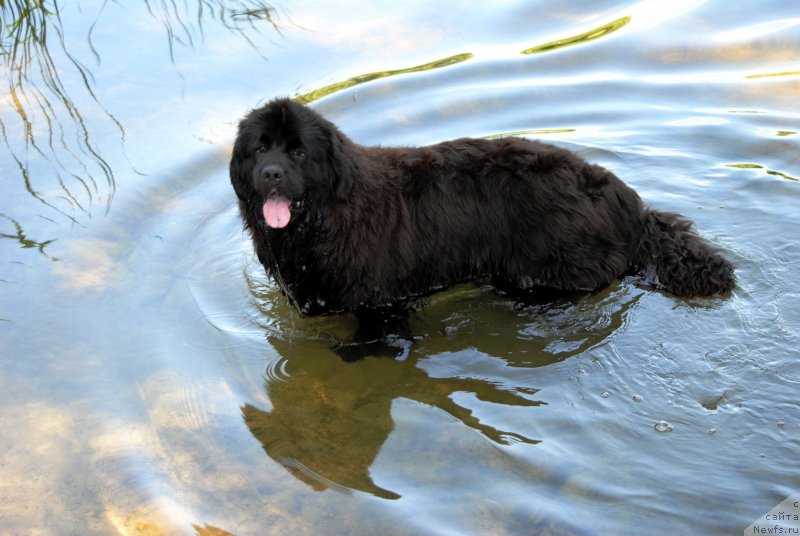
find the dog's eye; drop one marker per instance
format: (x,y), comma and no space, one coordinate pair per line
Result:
(261,149)
(297,153)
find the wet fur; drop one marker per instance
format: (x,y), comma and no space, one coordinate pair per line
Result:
(374,227)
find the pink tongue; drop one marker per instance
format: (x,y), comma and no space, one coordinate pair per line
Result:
(276,212)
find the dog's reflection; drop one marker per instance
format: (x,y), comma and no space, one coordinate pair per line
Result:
(330,417)
(331,407)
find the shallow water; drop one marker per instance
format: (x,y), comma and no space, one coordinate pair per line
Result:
(153,379)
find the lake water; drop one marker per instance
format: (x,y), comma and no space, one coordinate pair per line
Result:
(154,381)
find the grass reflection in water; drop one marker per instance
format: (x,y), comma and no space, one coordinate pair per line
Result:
(53,99)
(361,79)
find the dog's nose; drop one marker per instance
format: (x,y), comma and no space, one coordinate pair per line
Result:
(272,172)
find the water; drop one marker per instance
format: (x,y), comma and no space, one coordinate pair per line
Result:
(153,379)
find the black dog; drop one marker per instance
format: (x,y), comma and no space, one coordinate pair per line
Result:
(344,227)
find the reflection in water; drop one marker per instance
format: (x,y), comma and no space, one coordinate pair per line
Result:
(38,97)
(772,75)
(585,37)
(330,418)
(183,27)
(41,103)
(361,79)
(24,241)
(767,171)
(648,13)
(530,132)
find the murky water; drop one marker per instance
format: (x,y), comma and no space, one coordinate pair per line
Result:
(154,381)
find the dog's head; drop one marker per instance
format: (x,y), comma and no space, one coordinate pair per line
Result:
(286,156)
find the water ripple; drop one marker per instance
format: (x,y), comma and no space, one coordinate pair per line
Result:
(749,33)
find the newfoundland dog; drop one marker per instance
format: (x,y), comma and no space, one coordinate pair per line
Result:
(345,227)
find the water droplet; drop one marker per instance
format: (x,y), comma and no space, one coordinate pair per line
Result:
(637,398)
(604,394)
(663,426)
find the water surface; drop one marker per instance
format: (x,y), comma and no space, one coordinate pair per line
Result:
(153,380)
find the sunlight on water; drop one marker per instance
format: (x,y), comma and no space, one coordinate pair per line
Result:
(650,13)
(749,33)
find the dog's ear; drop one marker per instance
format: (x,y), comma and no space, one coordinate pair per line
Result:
(239,178)
(344,165)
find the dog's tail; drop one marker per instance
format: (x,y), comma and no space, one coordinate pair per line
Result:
(681,261)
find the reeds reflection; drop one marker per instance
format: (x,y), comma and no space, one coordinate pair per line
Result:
(56,135)
(183,22)
(63,142)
